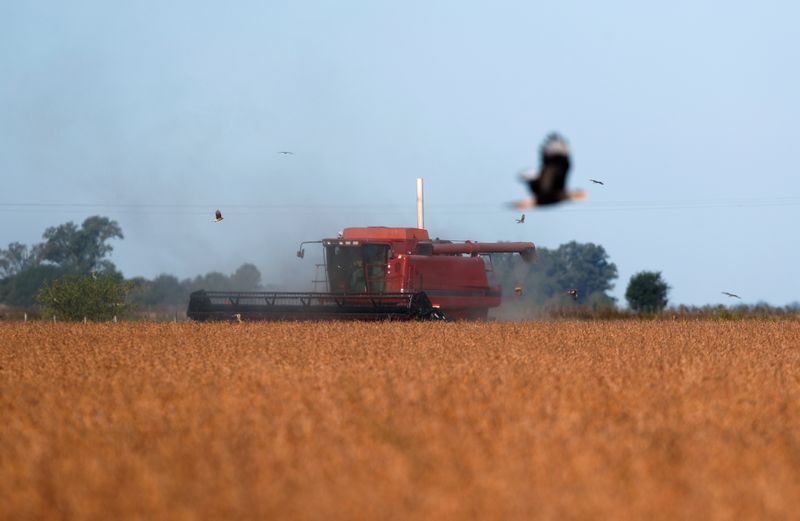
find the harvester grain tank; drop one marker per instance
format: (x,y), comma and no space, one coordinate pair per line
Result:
(377,273)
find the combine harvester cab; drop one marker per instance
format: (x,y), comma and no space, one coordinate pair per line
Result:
(378,273)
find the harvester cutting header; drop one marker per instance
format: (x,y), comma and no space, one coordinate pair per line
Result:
(377,273)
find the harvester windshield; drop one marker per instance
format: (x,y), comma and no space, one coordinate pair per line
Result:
(356,268)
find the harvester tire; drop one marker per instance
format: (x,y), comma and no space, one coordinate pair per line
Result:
(437,315)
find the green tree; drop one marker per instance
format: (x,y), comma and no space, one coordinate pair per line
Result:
(585,267)
(246,278)
(95,297)
(20,290)
(211,281)
(647,292)
(81,250)
(16,258)
(164,290)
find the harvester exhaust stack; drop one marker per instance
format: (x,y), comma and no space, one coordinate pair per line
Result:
(420,205)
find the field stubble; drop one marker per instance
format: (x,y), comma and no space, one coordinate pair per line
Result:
(401,420)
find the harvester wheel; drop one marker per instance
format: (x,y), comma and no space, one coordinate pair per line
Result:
(437,315)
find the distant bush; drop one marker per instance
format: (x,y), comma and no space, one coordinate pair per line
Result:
(647,292)
(94,297)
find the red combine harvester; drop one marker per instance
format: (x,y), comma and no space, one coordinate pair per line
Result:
(378,273)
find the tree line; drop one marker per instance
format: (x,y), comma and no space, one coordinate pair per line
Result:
(168,290)
(66,250)
(72,262)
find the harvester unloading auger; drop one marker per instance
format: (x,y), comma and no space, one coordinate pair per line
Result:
(379,273)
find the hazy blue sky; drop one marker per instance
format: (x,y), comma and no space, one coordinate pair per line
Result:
(157,113)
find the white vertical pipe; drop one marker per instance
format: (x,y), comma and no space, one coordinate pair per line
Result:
(420,205)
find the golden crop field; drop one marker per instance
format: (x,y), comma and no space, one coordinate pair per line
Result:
(553,420)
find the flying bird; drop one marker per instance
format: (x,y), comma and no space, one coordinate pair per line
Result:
(548,185)
(573,292)
(595,181)
(286,153)
(732,295)
(521,220)
(218,217)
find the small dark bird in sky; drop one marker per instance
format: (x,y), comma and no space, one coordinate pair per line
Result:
(573,292)
(521,220)
(732,295)
(218,216)
(286,153)
(548,185)
(595,181)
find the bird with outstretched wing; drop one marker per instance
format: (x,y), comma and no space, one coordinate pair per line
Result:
(548,185)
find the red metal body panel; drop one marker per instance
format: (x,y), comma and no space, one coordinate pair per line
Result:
(382,233)
(457,285)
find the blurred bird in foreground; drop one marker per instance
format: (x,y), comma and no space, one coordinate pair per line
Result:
(732,295)
(548,185)
(521,220)
(217,217)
